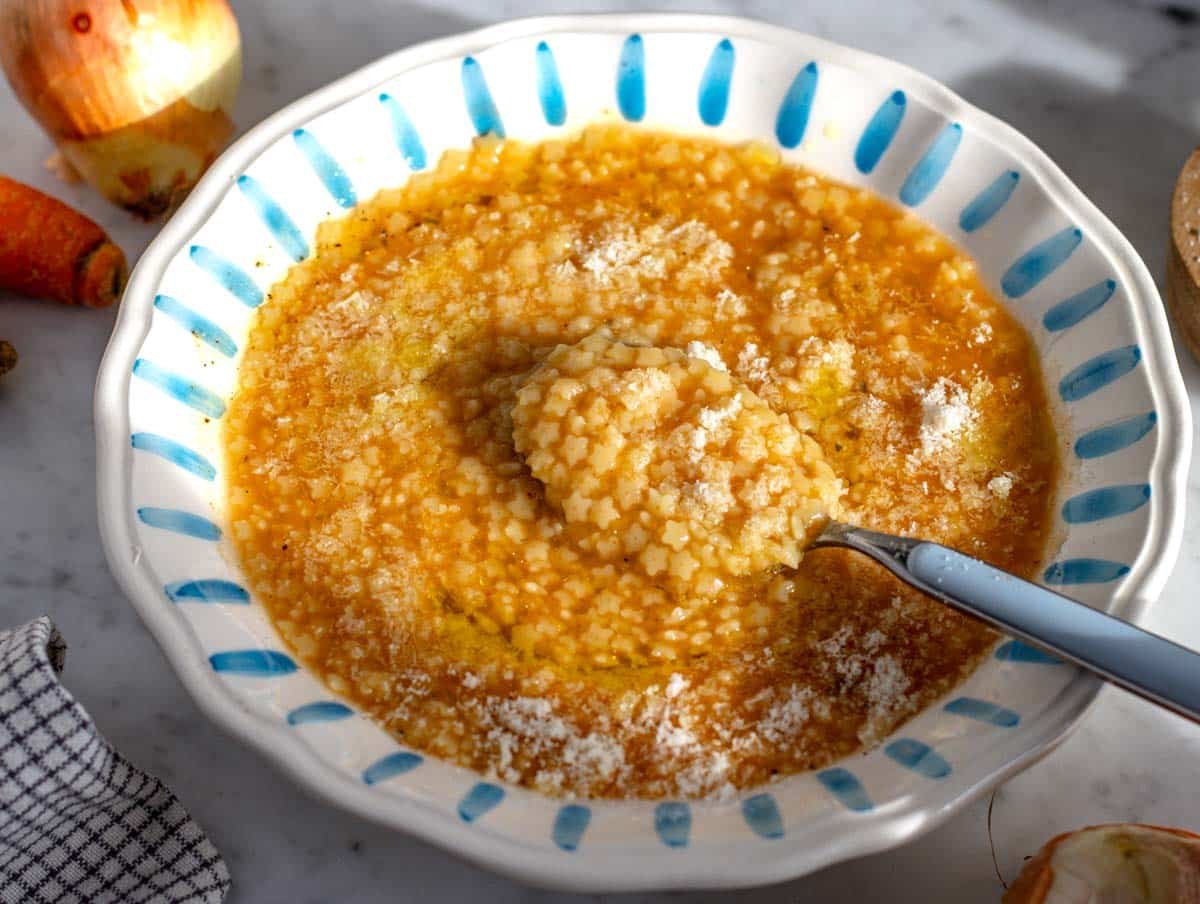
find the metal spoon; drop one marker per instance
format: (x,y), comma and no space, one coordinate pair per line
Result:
(1146,664)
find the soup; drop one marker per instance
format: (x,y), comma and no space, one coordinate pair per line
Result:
(598,587)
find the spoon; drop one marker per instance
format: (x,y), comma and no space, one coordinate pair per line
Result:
(1146,664)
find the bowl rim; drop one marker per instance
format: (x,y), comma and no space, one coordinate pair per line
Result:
(579,871)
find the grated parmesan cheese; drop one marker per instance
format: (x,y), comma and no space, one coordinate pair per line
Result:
(982,334)
(878,676)
(618,251)
(647,253)
(790,713)
(639,388)
(700,770)
(729,305)
(714,418)
(522,728)
(707,354)
(1001,486)
(946,415)
(751,365)
(887,695)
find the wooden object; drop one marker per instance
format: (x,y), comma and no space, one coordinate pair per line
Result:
(1183,258)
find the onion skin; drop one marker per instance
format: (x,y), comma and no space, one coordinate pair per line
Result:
(8,357)
(136,94)
(1112,864)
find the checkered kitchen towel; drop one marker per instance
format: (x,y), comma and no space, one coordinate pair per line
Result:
(77,822)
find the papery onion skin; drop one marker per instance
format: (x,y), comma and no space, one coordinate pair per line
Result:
(1112,863)
(137,94)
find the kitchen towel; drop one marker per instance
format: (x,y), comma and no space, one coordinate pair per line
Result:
(78,823)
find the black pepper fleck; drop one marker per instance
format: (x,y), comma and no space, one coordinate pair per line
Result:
(1180,14)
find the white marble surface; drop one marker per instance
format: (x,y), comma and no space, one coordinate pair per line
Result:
(1108,90)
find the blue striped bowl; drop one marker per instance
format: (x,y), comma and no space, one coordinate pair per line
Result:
(1062,268)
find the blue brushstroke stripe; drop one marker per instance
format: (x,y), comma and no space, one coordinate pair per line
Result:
(988,202)
(919,757)
(178,455)
(408,140)
(550,89)
(1115,437)
(206,402)
(391,765)
(794,111)
(713,99)
(1107,502)
(1019,651)
(1069,312)
(569,825)
(231,277)
(1040,261)
(278,223)
(180,522)
(253,663)
(328,170)
(483,797)
(982,711)
(212,590)
(762,815)
(845,786)
(199,326)
(320,711)
(1093,375)
(878,135)
(924,177)
(631,79)
(1084,571)
(673,823)
(480,106)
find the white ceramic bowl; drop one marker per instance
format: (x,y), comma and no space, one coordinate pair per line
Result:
(1060,266)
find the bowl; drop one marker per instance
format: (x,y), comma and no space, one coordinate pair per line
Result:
(1050,256)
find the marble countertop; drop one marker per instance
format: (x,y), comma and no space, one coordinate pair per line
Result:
(1107,90)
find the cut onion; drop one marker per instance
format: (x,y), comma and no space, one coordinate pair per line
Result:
(1113,864)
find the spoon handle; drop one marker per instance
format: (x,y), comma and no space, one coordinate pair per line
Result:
(1144,663)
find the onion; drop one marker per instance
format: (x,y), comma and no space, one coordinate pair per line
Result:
(137,94)
(1113,864)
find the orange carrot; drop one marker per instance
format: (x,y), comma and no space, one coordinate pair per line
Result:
(48,250)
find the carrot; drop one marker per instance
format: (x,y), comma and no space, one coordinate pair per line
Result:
(8,357)
(48,250)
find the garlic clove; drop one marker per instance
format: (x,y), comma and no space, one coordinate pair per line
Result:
(1114,864)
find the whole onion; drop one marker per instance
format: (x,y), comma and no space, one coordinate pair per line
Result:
(136,94)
